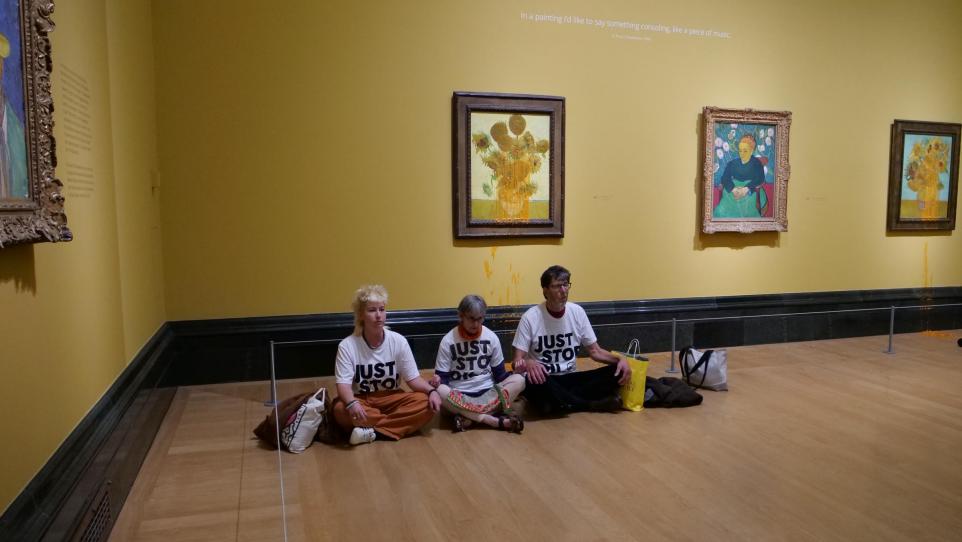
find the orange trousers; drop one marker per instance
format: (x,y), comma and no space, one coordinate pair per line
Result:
(394,414)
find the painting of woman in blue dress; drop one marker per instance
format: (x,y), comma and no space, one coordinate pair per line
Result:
(31,196)
(743,187)
(13,150)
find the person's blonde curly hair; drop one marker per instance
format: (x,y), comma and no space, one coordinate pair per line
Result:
(364,295)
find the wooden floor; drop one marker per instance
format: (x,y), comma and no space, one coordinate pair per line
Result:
(827,440)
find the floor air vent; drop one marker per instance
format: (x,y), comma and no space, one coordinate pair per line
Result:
(98,520)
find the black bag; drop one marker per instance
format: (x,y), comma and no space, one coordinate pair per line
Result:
(669,392)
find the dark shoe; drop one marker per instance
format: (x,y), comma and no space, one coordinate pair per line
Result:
(458,422)
(515,423)
(608,404)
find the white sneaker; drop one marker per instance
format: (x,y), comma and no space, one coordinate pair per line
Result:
(362,435)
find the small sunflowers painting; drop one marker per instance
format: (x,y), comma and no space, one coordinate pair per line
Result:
(508,165)
(925,182)
(924,176)
(509,169)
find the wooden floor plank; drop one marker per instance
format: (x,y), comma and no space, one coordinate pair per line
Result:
(824,440)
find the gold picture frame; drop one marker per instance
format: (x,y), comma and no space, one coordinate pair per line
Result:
(31,196)
(746,170)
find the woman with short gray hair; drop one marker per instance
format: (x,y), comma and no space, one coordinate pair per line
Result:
(470,373)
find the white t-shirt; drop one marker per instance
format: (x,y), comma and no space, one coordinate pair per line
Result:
(469,360)
(554,341)
(370,370)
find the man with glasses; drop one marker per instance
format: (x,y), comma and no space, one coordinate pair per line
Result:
(546,344)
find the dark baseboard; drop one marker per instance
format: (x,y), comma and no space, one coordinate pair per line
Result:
(111,442)
(108,445)
(234,350)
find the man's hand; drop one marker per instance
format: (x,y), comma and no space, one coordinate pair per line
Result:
(435,381)
(536,372)
(623,371)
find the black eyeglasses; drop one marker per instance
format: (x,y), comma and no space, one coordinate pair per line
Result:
(561,286)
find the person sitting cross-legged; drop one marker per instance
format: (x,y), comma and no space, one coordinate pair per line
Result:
(470,373)
(546,346)
(368,371)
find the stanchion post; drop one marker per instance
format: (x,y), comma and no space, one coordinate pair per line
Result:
(273,400)
(277,432)
(674,333)
(891,330)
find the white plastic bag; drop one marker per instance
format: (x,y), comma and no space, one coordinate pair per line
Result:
(708,369)
(299,431)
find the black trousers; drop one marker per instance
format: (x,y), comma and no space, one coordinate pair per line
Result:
(572,392)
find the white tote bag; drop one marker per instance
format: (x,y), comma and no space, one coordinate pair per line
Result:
(299,432)
(708,369)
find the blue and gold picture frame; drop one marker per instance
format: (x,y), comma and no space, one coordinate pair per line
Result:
(746,170)
(31,196)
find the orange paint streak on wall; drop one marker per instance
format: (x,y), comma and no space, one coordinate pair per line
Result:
(500,291)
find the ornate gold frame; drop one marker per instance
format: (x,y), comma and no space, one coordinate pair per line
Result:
(781,122)
(39,217)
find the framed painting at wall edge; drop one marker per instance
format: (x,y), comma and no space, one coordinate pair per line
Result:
(746,170)
(923,175)
(508,165)
(31,200)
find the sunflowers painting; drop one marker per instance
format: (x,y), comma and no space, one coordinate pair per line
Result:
(508,169)
(925,190)
(924,175)
(508,165)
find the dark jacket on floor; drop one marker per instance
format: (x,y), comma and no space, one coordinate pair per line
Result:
(669,392)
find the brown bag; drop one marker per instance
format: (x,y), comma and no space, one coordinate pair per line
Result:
(287,410)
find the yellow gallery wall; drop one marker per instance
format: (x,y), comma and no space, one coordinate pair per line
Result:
(305,151)
(292,154)
(134,123)
(76,313)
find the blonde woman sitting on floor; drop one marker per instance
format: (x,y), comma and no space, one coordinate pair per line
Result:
(369,368)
